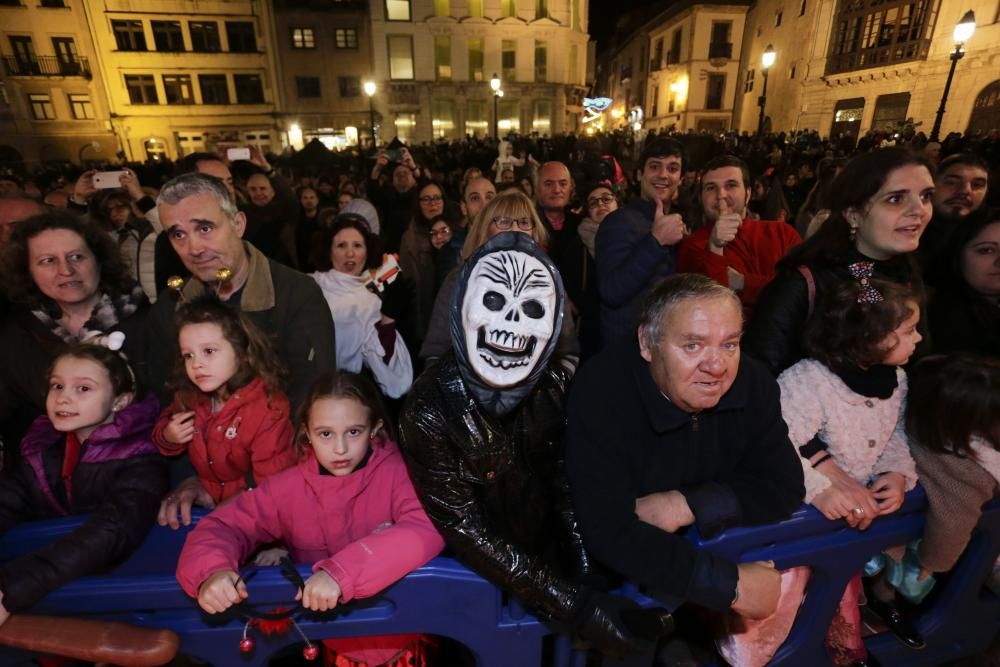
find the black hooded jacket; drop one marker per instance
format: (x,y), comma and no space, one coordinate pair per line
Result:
(487,464)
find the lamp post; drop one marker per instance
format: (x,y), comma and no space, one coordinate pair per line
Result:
(370,92)
(497,94)
(963,31)
(766,60)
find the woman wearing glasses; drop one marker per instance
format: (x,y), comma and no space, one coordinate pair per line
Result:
(599,200)
(510,210)
(417,254)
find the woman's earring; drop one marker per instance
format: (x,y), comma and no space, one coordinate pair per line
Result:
(854,233)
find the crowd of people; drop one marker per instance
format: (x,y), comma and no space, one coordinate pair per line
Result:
(547,356)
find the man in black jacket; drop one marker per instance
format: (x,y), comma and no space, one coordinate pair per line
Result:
(674,429)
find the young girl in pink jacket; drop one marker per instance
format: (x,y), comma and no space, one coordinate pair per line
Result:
(348,507)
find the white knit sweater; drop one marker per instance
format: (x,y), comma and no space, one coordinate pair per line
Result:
(864,435)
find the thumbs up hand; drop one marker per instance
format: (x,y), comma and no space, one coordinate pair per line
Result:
(668,228)
(726,227)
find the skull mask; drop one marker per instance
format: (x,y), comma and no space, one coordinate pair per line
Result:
(509,314)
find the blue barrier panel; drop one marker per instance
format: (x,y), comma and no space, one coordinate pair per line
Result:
(444,598)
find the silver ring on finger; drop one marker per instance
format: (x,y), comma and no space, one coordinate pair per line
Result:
(858,511)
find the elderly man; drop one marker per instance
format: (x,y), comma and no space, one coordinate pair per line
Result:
(674,428)
(635,244)
(960,188)
(206,229)
(732,248)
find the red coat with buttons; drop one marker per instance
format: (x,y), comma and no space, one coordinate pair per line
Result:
(248,439)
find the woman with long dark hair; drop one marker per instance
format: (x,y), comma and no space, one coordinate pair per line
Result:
(881,204)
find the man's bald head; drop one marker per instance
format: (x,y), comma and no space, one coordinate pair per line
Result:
(555,186)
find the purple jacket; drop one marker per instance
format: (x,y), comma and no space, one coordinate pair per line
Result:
(119,482)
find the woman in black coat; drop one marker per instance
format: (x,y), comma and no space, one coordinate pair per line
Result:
(881,204)
(67,282)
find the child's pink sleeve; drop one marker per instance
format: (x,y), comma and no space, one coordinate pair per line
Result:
(166,447)
(376,561)
(226,537)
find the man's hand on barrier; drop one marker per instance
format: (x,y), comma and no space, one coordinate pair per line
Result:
(667,510)
(178,504)
(600,618)
(321,593)
(221,591)
(757,590)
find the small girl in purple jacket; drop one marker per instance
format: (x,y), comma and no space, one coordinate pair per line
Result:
(348,508)
(90,453)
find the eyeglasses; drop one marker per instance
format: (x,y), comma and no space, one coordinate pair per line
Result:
(603,199)
(524,224)
(444,231)
(430,198)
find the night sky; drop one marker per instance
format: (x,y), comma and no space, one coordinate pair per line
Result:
(604,13)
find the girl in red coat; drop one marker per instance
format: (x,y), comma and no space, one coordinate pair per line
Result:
(229,412)
(348,507)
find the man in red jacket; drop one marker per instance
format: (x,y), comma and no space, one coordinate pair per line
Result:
(733,249)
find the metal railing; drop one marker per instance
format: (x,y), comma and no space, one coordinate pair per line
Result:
(46,66)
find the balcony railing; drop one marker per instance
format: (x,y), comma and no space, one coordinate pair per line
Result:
(46,66)
(720,50)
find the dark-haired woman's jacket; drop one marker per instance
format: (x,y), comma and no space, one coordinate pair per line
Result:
(119,481)
(775,332)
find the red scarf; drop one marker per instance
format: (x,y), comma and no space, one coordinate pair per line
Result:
(70,461)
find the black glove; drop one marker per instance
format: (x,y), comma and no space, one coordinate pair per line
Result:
(395,299)
(616,625)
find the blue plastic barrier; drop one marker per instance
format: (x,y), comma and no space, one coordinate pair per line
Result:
(444,598)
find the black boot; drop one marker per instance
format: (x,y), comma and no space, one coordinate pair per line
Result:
(870,661)
(896,621)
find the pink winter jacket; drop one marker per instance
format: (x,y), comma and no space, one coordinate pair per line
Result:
(366,530)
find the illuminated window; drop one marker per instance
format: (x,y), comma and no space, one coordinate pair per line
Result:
(873,33)
(303,38)
(510,116)
(41,107)
(508,60)
(442,58)
(442,8)
(405,124)
(476,119)
(397,10)
(508,8)
(81,107)
(400,56)
(541,120)
(346,38)
(541,61)
(476,8)
(477,59)
(177,89)
(541,9)
(443,117)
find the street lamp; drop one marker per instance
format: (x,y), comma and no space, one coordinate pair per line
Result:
(497,94)
(963,32)
(370,92)
(766,60)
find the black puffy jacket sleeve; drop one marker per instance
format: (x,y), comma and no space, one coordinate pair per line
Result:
(439,434)
(774,333)
(114,529)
